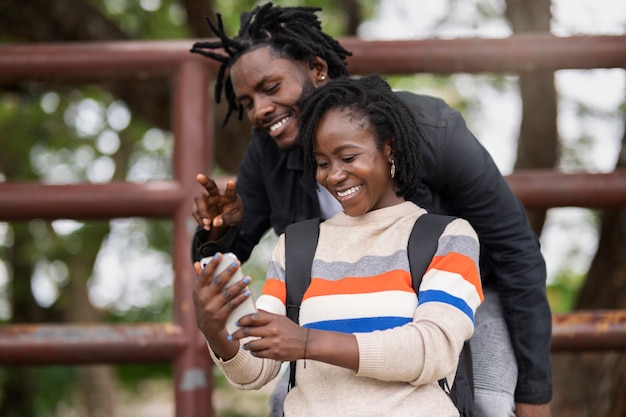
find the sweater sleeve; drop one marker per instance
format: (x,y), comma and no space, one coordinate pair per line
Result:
(246,372)
(444,319)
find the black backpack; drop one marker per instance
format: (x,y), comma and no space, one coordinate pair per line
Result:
(300,244)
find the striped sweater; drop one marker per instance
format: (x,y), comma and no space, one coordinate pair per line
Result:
(361,285)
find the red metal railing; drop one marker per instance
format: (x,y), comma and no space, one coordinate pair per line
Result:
(179,342)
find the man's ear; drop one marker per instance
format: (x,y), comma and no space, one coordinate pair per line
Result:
(320,70)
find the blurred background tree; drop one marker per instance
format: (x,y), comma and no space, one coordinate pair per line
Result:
(67,271)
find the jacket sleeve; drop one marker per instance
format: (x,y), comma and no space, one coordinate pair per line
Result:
(465,175)
(256,215)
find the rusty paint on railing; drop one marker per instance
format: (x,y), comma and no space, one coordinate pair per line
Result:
(84,61)
(589,330)
(89,343)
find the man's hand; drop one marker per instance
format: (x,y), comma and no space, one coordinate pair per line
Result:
(532,410)
(214,211)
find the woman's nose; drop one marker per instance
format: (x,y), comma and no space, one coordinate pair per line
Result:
(336,174)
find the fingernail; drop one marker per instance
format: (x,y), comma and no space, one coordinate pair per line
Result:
(217,255)
(234,264)
(246,280)
(230,338)
(247,293)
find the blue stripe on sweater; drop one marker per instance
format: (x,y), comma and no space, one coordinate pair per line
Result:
(362,325)
(444,297)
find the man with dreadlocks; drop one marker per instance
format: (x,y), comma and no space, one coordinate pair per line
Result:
(280,56)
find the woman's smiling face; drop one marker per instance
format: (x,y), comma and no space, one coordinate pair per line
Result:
(351,166)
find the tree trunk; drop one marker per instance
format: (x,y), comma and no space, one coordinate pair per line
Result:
(97,383)
(538,139)
(594,384)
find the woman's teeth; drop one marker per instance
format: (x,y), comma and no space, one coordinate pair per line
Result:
(349,191)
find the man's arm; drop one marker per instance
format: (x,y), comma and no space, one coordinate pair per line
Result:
(466,183)
(479,193)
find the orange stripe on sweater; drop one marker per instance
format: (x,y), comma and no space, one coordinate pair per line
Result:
(460,264)
(396,280)
(275,288)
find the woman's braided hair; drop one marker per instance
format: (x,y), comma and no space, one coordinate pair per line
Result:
(292,32)
(370,100)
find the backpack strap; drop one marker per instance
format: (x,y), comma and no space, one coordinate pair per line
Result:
(422,247)
(300,244)
(423,243)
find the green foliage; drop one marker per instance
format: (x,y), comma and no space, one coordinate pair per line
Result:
(332,16)
(564,289)
(130,376)
(55,134)
(54,383)
(155,19)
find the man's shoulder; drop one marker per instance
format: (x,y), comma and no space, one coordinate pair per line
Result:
(427,109)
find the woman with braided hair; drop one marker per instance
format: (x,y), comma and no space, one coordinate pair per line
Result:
(277,59)
(364,346)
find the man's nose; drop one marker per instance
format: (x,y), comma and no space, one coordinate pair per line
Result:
(262,108)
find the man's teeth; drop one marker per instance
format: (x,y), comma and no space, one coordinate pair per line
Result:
(349,191)
(278,124)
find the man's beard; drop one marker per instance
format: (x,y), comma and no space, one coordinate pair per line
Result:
(307,89)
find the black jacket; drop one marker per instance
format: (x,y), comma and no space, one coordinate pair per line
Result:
(458,177)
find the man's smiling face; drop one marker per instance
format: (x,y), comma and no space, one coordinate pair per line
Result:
(269,88)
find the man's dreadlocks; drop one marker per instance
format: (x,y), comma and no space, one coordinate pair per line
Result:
(293,32)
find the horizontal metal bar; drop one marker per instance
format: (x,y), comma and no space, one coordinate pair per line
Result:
(95,61)
(23,201)
(597,330)
(600,330)
(537,189)
(544,189)
(87,343)
(518,53)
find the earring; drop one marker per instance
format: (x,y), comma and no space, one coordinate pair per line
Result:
(393,168)
(322,77)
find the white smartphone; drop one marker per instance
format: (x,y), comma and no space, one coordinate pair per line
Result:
(248,306)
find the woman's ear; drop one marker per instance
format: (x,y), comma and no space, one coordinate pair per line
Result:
(320,71)
(388,149)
